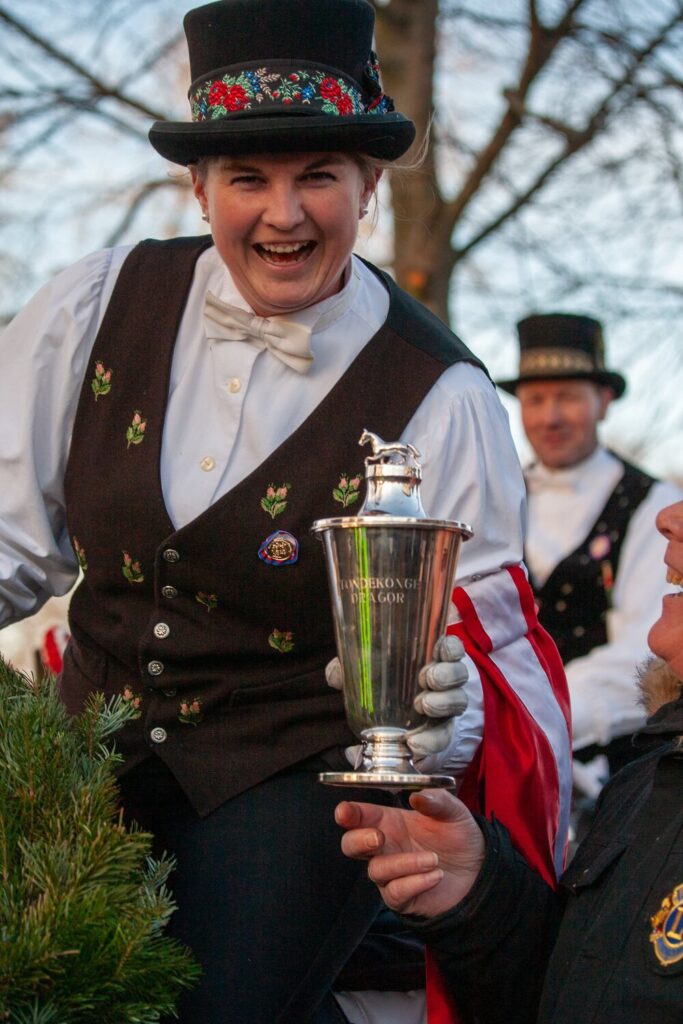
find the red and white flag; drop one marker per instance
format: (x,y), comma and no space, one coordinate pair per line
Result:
(522,770)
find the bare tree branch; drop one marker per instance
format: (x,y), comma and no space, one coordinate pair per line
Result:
(575,139)
(100,88)
(542,43)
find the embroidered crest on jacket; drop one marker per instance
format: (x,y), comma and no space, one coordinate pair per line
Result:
(667,929)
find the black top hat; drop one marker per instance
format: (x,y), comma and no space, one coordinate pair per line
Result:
(283,75)
(557,345)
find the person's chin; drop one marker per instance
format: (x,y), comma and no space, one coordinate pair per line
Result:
(665,637)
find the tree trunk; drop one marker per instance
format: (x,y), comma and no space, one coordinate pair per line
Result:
(406,43)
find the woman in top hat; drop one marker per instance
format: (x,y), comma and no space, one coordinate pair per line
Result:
(180,414)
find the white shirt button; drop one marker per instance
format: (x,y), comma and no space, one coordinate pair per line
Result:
(158,735)
(207,463)
(234,385)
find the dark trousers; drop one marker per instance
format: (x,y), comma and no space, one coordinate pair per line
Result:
(267,902)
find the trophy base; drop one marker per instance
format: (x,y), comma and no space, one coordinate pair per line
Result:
(391,781)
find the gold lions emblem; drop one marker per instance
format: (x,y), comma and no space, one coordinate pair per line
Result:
(667,929)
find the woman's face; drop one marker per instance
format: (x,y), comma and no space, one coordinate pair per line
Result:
(666,635)
(285,225)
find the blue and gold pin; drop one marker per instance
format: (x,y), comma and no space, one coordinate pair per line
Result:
(667,929)
(280,548)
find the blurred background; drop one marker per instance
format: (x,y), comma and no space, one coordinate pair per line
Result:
(551,175)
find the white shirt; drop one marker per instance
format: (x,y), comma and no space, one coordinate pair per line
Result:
(250,402)
(563,505)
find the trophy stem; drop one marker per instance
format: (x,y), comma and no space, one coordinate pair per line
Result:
(386,750)
(387,764)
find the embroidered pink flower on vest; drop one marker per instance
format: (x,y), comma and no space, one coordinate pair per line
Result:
(101,383)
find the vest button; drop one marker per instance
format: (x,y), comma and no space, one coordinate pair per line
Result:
(158,735)
(171,555)
(155,668)
(169,693)
(169,592)
(162,630)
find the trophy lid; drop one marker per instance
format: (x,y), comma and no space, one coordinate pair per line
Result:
(392,474)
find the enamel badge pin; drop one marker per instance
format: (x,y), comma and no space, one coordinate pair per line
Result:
(667,929)
(280,548)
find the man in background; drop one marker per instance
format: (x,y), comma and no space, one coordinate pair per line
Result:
(591,542)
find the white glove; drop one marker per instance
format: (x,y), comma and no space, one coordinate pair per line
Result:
(441,698)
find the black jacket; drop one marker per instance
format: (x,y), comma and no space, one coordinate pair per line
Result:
(606,949)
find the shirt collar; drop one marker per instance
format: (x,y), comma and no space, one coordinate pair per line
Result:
(574,479)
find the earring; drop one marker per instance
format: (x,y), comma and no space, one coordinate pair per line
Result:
(363,211)
(205,216)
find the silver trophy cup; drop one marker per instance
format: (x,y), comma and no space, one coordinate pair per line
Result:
(390,571)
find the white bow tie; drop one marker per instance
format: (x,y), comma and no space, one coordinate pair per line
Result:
(288,340)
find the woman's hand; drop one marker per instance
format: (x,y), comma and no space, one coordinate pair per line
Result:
(423,861)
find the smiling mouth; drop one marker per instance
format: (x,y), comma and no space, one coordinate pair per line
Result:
(285,253)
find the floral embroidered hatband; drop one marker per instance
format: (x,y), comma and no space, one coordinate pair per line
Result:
(218,97)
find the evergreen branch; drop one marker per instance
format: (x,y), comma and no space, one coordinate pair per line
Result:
(83,907)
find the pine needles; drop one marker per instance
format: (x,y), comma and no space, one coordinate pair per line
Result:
(83,906)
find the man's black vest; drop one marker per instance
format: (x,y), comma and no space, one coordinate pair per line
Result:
(574,600)
(221,652)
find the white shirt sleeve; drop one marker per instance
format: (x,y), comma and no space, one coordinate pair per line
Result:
(471,473)
(43,358)
(602,684)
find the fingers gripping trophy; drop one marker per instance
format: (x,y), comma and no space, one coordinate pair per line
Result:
(390,571)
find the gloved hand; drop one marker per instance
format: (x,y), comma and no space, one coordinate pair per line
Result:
(441,698)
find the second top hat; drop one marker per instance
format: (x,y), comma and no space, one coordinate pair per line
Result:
(553,346)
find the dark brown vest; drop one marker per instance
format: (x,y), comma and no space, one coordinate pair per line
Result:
(222,653)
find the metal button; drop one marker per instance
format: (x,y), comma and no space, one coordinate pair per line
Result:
(158,735)
(162,630)
(169,693)
(207,463)
(171,555)
(155,668)
(169,592)
(234,385)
